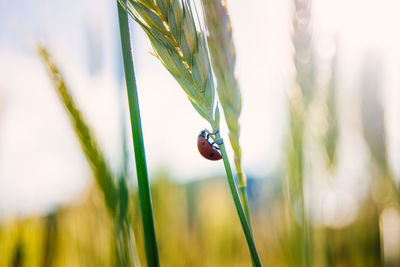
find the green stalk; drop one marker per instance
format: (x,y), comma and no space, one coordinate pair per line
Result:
(126,250)
(306,230)
(238,204)
(243,197)
(140,158)
(242,186)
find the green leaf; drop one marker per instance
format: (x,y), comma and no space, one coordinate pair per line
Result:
(150,241)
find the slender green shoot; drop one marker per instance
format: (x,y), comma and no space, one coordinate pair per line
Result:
(238,204)
(140,158)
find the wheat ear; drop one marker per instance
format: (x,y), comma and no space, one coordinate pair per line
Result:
(170,26)
(298,99)
(223,57)
(88,144)
(182,49)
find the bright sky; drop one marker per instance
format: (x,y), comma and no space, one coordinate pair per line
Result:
(40,161)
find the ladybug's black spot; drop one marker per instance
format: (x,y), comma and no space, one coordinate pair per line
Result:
(211,154)
(203,144)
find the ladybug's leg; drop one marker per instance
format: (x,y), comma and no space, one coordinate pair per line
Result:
(213,133)
(218,142)
(214,146)
(208,133)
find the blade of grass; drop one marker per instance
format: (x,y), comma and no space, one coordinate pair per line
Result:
(238,204)
(126,247)
(140,158)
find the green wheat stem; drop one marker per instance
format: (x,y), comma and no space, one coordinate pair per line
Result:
(299,107)
(243,197)
(123,258)
(300,234)
(140,158)
(126,250)
(238,204)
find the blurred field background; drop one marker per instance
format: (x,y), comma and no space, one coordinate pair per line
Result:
(320,134)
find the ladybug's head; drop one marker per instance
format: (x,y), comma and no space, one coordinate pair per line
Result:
(203,134)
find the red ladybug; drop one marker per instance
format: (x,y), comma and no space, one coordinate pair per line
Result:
(206,149)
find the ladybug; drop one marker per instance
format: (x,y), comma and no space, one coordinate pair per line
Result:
(207,149)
